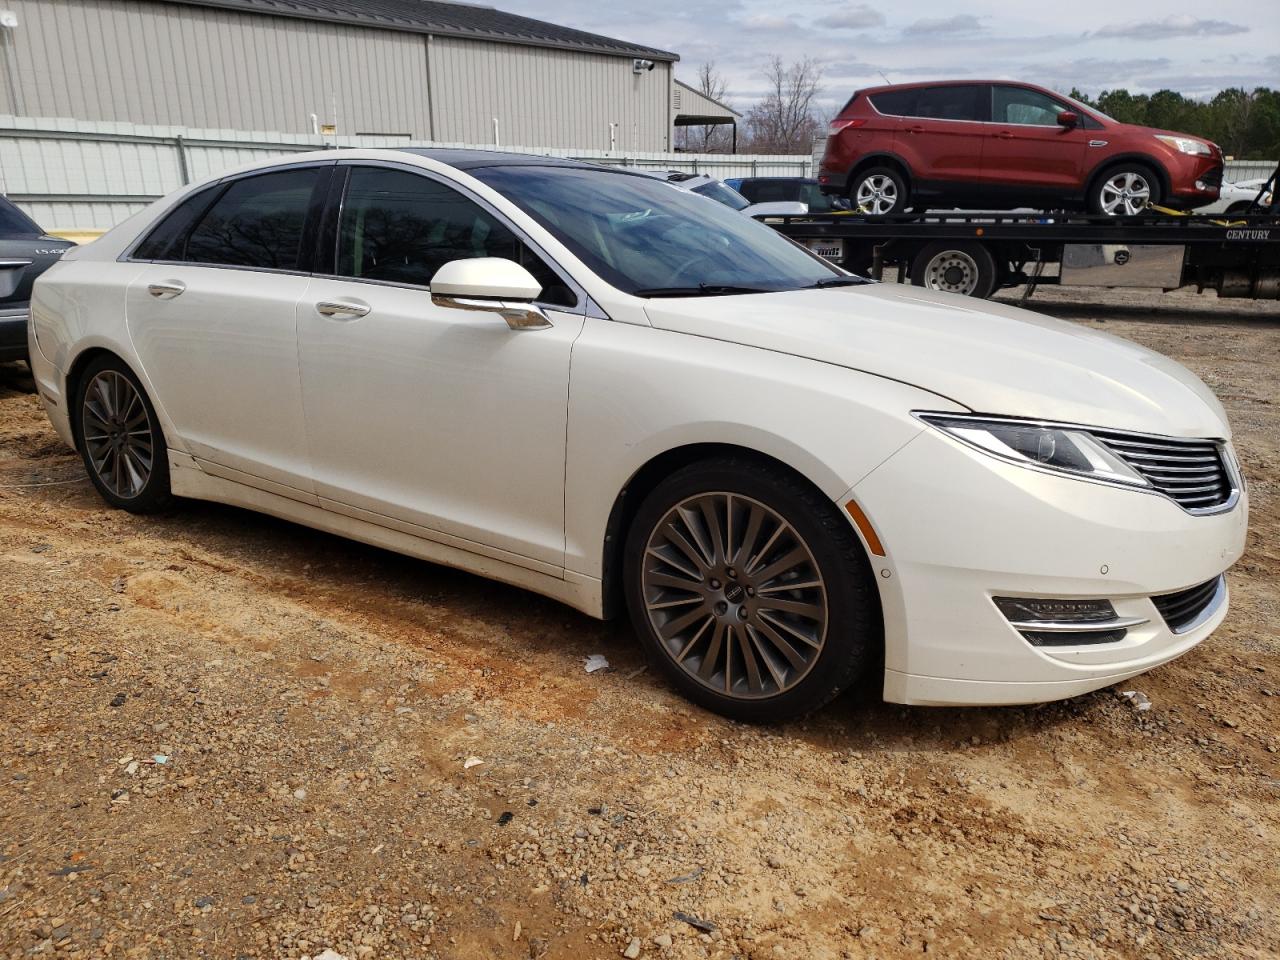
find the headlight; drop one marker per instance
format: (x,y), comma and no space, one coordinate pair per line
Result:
(1062,449)
(1186,145)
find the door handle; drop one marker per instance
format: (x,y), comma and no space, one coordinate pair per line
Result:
(166,290)
(342,309)
(915,129)
(1003,135)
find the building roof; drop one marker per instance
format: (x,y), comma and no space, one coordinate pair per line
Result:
(441,17)
(693,107)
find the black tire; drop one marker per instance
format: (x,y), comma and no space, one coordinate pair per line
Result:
(964,268)
(853,634)
(1098,204)
(147,495)
(1239,208)
(873,177)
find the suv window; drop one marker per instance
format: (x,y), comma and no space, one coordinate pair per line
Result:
(951,103)
(895,103)
(257,222)
(1022,106)
(402,227)
(168,240)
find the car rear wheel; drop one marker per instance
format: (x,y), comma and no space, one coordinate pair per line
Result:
(879,191)
(1124,191)
(964,268)
(750,590)
(120,438)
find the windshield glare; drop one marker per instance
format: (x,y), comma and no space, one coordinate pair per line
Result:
(640,234)
(724,193)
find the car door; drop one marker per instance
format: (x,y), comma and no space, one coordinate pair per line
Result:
(440,418)
(943,138)
(1027,147)
(213,318)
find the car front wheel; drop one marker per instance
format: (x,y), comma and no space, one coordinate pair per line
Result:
(750,589)
(1124,191)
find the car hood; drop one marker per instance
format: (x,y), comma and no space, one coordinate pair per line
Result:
(989,357)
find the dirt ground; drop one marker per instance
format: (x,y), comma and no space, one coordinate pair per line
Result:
(226,736)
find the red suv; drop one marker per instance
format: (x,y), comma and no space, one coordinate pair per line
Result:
(1000,145)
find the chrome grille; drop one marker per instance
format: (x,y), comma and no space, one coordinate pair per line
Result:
(1182,609)
(1191,472)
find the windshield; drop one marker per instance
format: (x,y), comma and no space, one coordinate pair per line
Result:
(724,193)
(643,236)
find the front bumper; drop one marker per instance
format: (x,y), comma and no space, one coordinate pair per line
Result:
(1194,181)
(13,331)
(960,527)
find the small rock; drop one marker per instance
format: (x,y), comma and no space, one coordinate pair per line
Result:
(300,794)
(662,940)
(633,949)
(118,700)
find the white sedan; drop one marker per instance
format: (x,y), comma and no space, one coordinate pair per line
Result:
(627,397)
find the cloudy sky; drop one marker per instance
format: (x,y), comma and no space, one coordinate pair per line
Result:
(1187,45)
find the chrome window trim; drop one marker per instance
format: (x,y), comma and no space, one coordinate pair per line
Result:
(583,299)
(1230,466)
(128,257)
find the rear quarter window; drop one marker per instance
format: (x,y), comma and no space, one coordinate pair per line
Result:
(895,103)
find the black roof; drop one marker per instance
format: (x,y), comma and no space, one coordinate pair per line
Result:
(441,17)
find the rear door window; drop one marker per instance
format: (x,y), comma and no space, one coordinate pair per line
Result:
(258,222)
(401,227)
(961,102)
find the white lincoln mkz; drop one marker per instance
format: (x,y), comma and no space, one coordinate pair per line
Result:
(623,395)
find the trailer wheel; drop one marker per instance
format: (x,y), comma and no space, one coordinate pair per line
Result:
(964,268)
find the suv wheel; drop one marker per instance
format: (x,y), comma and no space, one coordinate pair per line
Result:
(879,191)
(1124,191)
(750,589)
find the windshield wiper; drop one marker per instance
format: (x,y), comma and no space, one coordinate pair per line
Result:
(701,290)
(837,282)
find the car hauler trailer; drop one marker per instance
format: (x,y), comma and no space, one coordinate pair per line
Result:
(977,254)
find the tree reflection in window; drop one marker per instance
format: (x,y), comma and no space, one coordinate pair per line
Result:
(257,222)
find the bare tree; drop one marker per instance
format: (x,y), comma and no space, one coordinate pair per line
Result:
(788,117)
(708,138)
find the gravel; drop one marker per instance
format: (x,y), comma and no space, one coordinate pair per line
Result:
(316,702)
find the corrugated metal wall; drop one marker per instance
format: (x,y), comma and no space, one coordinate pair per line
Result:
(546,98)
(79,176)
(140,62)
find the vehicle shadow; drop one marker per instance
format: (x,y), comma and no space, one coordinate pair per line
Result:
(1162,314)
(16,378)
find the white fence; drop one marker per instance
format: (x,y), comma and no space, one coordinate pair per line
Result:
(80,176)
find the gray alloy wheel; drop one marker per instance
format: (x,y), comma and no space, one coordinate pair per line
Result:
(117,435)
(876,194)
(734,595)
(1124,193)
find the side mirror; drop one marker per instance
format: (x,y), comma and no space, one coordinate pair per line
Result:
(490,285)
(1068,119)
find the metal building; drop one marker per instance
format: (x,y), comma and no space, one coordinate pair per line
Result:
(418,69)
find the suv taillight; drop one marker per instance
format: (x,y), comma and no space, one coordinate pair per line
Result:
(837,125)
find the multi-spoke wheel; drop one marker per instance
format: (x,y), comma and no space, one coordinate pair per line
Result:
(120,440)
(879,191)
(1124,191)
(751,589)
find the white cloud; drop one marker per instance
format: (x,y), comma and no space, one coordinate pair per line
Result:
(960,23)
(860,17)
(1175,25)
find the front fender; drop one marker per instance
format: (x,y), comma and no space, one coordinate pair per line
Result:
(637,393)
